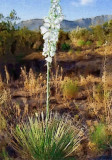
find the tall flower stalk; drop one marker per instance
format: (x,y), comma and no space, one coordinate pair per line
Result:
(50,31)
(54,138)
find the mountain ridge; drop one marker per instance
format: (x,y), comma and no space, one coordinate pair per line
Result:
(67,25)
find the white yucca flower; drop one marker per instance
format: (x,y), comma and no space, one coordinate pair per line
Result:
(50,30)
(44,29)
(48,59)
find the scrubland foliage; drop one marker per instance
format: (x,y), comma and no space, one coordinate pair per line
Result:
(63,42)
(94,36)
(86,97)
(18,41)
(14,40)
(98,107)
(101,137)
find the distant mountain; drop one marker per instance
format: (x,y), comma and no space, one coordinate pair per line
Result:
(34,24)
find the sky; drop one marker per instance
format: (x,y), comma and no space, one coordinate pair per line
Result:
(72,9)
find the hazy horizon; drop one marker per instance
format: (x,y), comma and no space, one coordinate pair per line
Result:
(67,19)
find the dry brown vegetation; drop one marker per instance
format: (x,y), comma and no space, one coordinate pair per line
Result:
(80,86)
(85,97)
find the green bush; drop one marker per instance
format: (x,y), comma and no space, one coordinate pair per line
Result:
(88,43)
(98,33)
(99,43)
(63,38)
(101,137)
(32,142)
(81,43)
(80,33)
(65,47)
(70,88)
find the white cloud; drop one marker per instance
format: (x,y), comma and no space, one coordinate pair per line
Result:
(85,2)
(82,2)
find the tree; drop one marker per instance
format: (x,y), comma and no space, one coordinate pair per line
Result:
(98,33)
(8,23)
(11,20)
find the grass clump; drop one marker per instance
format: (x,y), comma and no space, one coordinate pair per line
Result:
(102,137)
(99,43)
(3,137)
(32,142)
(98,92)
(30,81)
(1,83)
(70,88)
(70,52)
(2,122)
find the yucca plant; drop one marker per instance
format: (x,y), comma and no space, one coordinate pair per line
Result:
(47,138)
(4,155)
(50,31)
(32,143)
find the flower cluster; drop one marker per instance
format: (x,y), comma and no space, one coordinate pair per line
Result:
(50,30)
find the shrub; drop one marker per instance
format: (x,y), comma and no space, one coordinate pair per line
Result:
(81,43)
(31,141)
(101,137)
(65,47)
(70,88)
(89,43)
(63,37)
(99,43)
(98,94)
(78,51)
(98,33)
(80,33)
(71,51)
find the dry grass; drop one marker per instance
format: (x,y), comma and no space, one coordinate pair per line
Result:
(90,79)
(96,108)
(100,101)
(56,81)
(1,83)
(30,81)
(101,50)
(2,123)
(7,75)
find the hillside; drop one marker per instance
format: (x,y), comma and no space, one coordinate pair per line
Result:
(67,25)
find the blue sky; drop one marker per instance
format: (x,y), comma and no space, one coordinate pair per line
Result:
(72,9)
